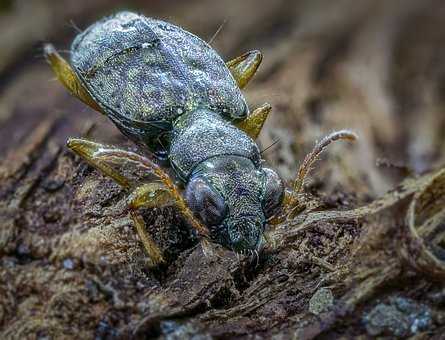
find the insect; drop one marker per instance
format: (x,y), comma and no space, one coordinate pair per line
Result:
(171,93)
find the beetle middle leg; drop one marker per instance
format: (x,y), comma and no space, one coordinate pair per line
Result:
(254,122)
(244,67)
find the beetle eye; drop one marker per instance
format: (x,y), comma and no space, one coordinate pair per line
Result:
(273,192)
(205,202)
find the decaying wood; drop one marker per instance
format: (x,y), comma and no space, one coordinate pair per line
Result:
(71,264)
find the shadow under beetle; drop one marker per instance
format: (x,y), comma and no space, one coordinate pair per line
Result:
(168,90)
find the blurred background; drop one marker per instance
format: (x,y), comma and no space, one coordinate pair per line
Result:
(372,66)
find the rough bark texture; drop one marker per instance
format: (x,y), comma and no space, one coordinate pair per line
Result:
(71,265)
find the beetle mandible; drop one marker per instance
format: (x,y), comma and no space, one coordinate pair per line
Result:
(169,91)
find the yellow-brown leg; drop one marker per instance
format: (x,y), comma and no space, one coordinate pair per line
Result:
(110,161)
(254,122)
(122,156)
(147,195)
(68,77)
(152,250)
(150,195)
(244,67)
(88,151)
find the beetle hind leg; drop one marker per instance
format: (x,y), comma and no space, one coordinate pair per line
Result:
(68,77)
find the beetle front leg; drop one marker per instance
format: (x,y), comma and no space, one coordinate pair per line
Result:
(108,160)
(149,195)
(152,250)
(154,195)
(88,151)
(113,156)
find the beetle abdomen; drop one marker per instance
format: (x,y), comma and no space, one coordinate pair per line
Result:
(141,70)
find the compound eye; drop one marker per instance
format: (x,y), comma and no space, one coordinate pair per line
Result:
(205,202)
(273,192)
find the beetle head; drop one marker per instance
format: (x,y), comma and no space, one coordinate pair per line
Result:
(234,199)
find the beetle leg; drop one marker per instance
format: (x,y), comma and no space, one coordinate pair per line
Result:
(105,158)
(152,250)
(254,122)
(154,195)
(88,151)
(244,67)
(68,77)
(150,195)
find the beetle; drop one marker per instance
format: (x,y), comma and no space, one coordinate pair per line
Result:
(171,93)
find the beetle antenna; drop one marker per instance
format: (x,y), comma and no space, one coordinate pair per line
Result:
(217,32)
(319,147)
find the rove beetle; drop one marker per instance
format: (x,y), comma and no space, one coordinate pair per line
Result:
(168,90)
